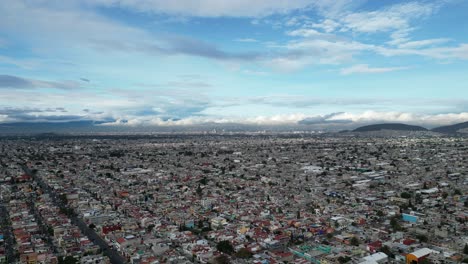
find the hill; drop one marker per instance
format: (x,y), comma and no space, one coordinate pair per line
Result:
(452,129)
(389,126)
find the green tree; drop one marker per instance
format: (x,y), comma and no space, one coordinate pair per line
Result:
(204,181)
(50,230)
(67,260)
(394,224)
(354,241)
(425,261)
(422,238)
(225,246)
(150,227)
(386,249)
(465,249)
(244,253)
(222,259)
(405,195)
(344,259)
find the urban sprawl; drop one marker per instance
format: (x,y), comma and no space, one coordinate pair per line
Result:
(234,199)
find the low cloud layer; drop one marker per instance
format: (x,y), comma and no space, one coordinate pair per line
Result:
(333,120)
(15,82)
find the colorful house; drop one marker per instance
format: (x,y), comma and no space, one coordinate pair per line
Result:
(418,255)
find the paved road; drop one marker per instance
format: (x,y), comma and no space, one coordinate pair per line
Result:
(43,227)
(113,255)
(8,235)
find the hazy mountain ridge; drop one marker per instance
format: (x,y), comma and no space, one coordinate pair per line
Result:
(389,126)
(452,129)
(89,126)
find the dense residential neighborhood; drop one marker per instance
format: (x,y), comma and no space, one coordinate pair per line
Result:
(234,199)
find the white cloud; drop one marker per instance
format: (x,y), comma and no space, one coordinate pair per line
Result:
(246,40)
(403,117)
(287,63)
(335,119)
(71,25)
(396,17)
(459,52)
(304,32)
(423,43)
(335,8)
(304,52)
(364,68)
(207,8)
(327,25)
(198,120)
(85,29)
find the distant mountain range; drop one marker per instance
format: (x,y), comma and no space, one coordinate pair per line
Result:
(88,126)
(389,126)
(452,129)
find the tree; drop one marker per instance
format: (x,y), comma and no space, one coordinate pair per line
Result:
(244,253)
(457,192)
(386,249)
(225,246)
(394,224)
(67,260)
(422,238)
(354,241)
(150,228)
(204,181)
(425,261)
(405,195)
(222,259)
(344,259)
(465,249)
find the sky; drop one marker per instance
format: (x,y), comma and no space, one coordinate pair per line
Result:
(263,62)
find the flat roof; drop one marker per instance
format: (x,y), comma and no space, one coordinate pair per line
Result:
(421,252)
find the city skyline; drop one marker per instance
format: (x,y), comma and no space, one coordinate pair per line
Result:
(134,63)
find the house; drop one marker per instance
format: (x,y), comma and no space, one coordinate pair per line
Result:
(418,255)
(378,257)
(374,246)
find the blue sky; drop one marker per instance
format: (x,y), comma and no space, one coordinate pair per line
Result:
(184,62)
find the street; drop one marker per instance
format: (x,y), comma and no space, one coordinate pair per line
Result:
(113,255)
